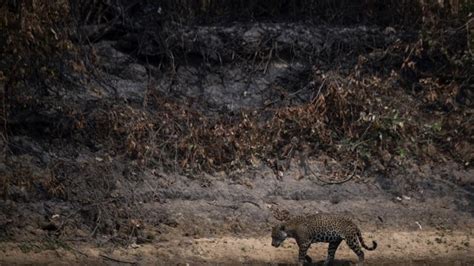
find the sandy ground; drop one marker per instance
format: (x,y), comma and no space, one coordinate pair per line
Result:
(423,247)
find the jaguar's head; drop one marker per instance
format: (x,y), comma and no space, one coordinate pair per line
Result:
(278,235)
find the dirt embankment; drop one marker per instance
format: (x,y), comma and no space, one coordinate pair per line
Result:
(217,220)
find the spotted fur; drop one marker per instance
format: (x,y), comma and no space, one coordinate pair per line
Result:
(327,228)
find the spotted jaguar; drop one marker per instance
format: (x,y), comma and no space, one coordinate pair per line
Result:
(329,228)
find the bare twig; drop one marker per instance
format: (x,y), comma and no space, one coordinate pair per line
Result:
(97,223)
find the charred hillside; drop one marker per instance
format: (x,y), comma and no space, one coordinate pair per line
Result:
(122,120)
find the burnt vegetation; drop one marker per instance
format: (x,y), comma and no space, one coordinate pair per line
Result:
(390,83)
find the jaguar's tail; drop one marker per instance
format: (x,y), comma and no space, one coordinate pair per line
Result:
(374,244)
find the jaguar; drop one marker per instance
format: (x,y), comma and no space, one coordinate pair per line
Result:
(329,228)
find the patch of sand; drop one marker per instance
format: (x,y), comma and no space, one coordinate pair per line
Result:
(394,248)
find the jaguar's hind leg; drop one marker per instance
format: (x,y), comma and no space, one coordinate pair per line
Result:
(353,243)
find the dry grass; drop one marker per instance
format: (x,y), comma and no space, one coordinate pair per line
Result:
(351,115)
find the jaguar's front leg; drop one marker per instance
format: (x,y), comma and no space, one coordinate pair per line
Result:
(332,251)
(303,258)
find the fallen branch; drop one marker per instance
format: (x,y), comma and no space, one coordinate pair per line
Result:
(117,260)
(327,182)
(78,251)
(456,186)
(235,206)
(252,202)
